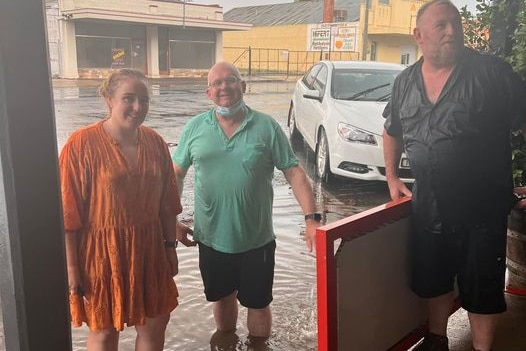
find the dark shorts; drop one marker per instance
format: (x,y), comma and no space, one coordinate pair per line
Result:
(475,255)
(250,273)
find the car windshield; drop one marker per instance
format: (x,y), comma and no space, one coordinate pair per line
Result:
(363,85)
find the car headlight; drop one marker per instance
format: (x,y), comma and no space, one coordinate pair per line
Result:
(355,135)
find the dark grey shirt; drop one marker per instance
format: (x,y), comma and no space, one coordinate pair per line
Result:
(459,147)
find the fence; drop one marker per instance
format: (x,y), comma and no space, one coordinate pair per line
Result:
(262,61)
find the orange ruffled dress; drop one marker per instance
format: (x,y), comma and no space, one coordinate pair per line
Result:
(116,212)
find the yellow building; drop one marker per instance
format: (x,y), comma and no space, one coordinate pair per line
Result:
(290,37)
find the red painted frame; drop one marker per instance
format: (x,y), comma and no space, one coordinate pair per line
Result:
(510,289)
(347,228)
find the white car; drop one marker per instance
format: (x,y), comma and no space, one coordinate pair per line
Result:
(337,108)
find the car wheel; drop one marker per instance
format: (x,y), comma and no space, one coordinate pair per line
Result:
(323,170)
(293,129)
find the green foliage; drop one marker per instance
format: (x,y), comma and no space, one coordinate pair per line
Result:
(518,52)
(475,31)
(512,14)
(518,156)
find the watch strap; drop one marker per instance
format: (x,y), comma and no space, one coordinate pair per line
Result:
(172,244)
(315,216)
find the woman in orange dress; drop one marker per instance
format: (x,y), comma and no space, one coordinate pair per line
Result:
(120,204)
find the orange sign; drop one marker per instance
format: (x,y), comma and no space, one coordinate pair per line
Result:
(118,57)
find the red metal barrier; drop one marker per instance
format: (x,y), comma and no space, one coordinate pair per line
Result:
(370,272)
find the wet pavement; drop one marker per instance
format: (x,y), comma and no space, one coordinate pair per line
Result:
(294,307)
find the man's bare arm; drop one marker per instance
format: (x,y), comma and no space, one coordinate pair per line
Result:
(392,153)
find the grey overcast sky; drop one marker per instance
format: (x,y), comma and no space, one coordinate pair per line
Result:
(229,4)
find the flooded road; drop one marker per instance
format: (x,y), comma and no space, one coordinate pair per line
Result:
(294,306)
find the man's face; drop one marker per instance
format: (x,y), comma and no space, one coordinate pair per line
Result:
(225,87)
(439,34)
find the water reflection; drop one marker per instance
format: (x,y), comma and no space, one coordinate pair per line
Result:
(225,341)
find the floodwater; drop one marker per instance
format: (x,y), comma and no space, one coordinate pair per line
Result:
(294,307)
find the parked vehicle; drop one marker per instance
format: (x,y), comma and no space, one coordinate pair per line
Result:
(337,108)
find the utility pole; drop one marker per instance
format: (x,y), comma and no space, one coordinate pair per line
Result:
(365,30)
(328,11)
(328,17)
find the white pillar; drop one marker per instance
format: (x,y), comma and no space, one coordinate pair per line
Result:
(219,46)
(69,49)
(152,51)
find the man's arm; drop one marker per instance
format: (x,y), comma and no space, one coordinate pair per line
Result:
(392,154)
(303,193)
(180,173)
(182,231)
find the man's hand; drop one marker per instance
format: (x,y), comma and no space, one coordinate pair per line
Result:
(521,192)
(397,188)
(182,234)
(310,234)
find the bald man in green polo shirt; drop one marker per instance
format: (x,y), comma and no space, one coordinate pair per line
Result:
(234,151)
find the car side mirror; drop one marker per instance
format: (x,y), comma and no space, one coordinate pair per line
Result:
(313,94)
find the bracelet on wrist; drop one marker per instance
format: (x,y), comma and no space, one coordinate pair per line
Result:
(172,244)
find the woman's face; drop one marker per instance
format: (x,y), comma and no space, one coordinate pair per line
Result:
(129,103)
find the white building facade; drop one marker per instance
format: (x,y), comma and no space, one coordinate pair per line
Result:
(89,38)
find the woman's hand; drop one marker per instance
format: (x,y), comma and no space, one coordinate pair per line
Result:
(74,281)
(171,254)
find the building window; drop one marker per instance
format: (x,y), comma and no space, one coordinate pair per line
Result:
(340,15)
(373,51)
(192,48)
(404,59)
(109,45)
(98,52)
(184,54)
(383,2)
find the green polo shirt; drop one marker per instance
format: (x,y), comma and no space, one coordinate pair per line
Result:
(233,178)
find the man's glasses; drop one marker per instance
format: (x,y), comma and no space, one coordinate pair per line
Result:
(229,81)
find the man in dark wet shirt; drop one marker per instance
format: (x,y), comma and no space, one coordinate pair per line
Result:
(452,113)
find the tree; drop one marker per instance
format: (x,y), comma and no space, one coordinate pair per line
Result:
(505,22)
(498,27)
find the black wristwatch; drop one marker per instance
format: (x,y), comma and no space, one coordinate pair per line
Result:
(315,216)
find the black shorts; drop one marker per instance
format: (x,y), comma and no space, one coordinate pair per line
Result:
(250,273)
(475,255)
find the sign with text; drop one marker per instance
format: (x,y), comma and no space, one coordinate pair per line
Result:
(118,57)
(341,36)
